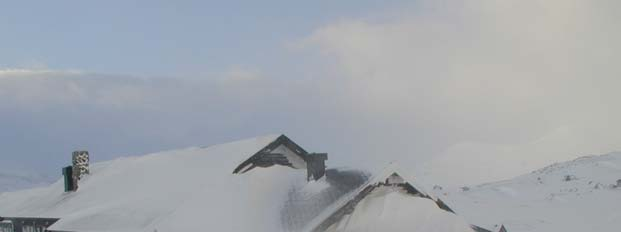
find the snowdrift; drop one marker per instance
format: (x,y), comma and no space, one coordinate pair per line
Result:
(218,188)
(183,190)
(389,201)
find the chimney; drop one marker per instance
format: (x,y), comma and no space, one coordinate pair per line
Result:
(316,165)
(72,174)
(71,184)
(80,164)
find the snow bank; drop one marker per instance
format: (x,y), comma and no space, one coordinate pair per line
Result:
(184,190)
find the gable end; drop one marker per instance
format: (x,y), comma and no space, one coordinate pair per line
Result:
(267,158)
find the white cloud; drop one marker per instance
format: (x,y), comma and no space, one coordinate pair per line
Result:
(499,74)
(12,73)
(30,87)
(237,74)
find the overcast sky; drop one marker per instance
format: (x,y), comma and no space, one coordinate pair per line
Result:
(459,92)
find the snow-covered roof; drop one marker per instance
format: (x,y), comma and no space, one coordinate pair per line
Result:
(389,201)
(192,189)
(218,188)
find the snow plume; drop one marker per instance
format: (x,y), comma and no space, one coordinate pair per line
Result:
(483,87)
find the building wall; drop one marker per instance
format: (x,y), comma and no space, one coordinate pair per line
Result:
(6,227)
(295,160)
(22,224)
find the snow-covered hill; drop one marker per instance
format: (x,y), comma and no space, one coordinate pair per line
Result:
(578,195)
(17,181)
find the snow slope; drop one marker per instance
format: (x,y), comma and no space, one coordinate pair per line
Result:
(383,203)
(191,189)
(578,195)
(389,210)
(195,189)
(183,190)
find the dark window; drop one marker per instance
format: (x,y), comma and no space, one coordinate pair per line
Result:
(6,227)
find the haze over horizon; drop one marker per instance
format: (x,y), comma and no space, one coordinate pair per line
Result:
(459,92)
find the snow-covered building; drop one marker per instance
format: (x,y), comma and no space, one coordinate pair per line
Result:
(496,228)
(267,183)
(389,202)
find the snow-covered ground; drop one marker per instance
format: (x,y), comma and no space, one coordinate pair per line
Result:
(578,195)
(195,189)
